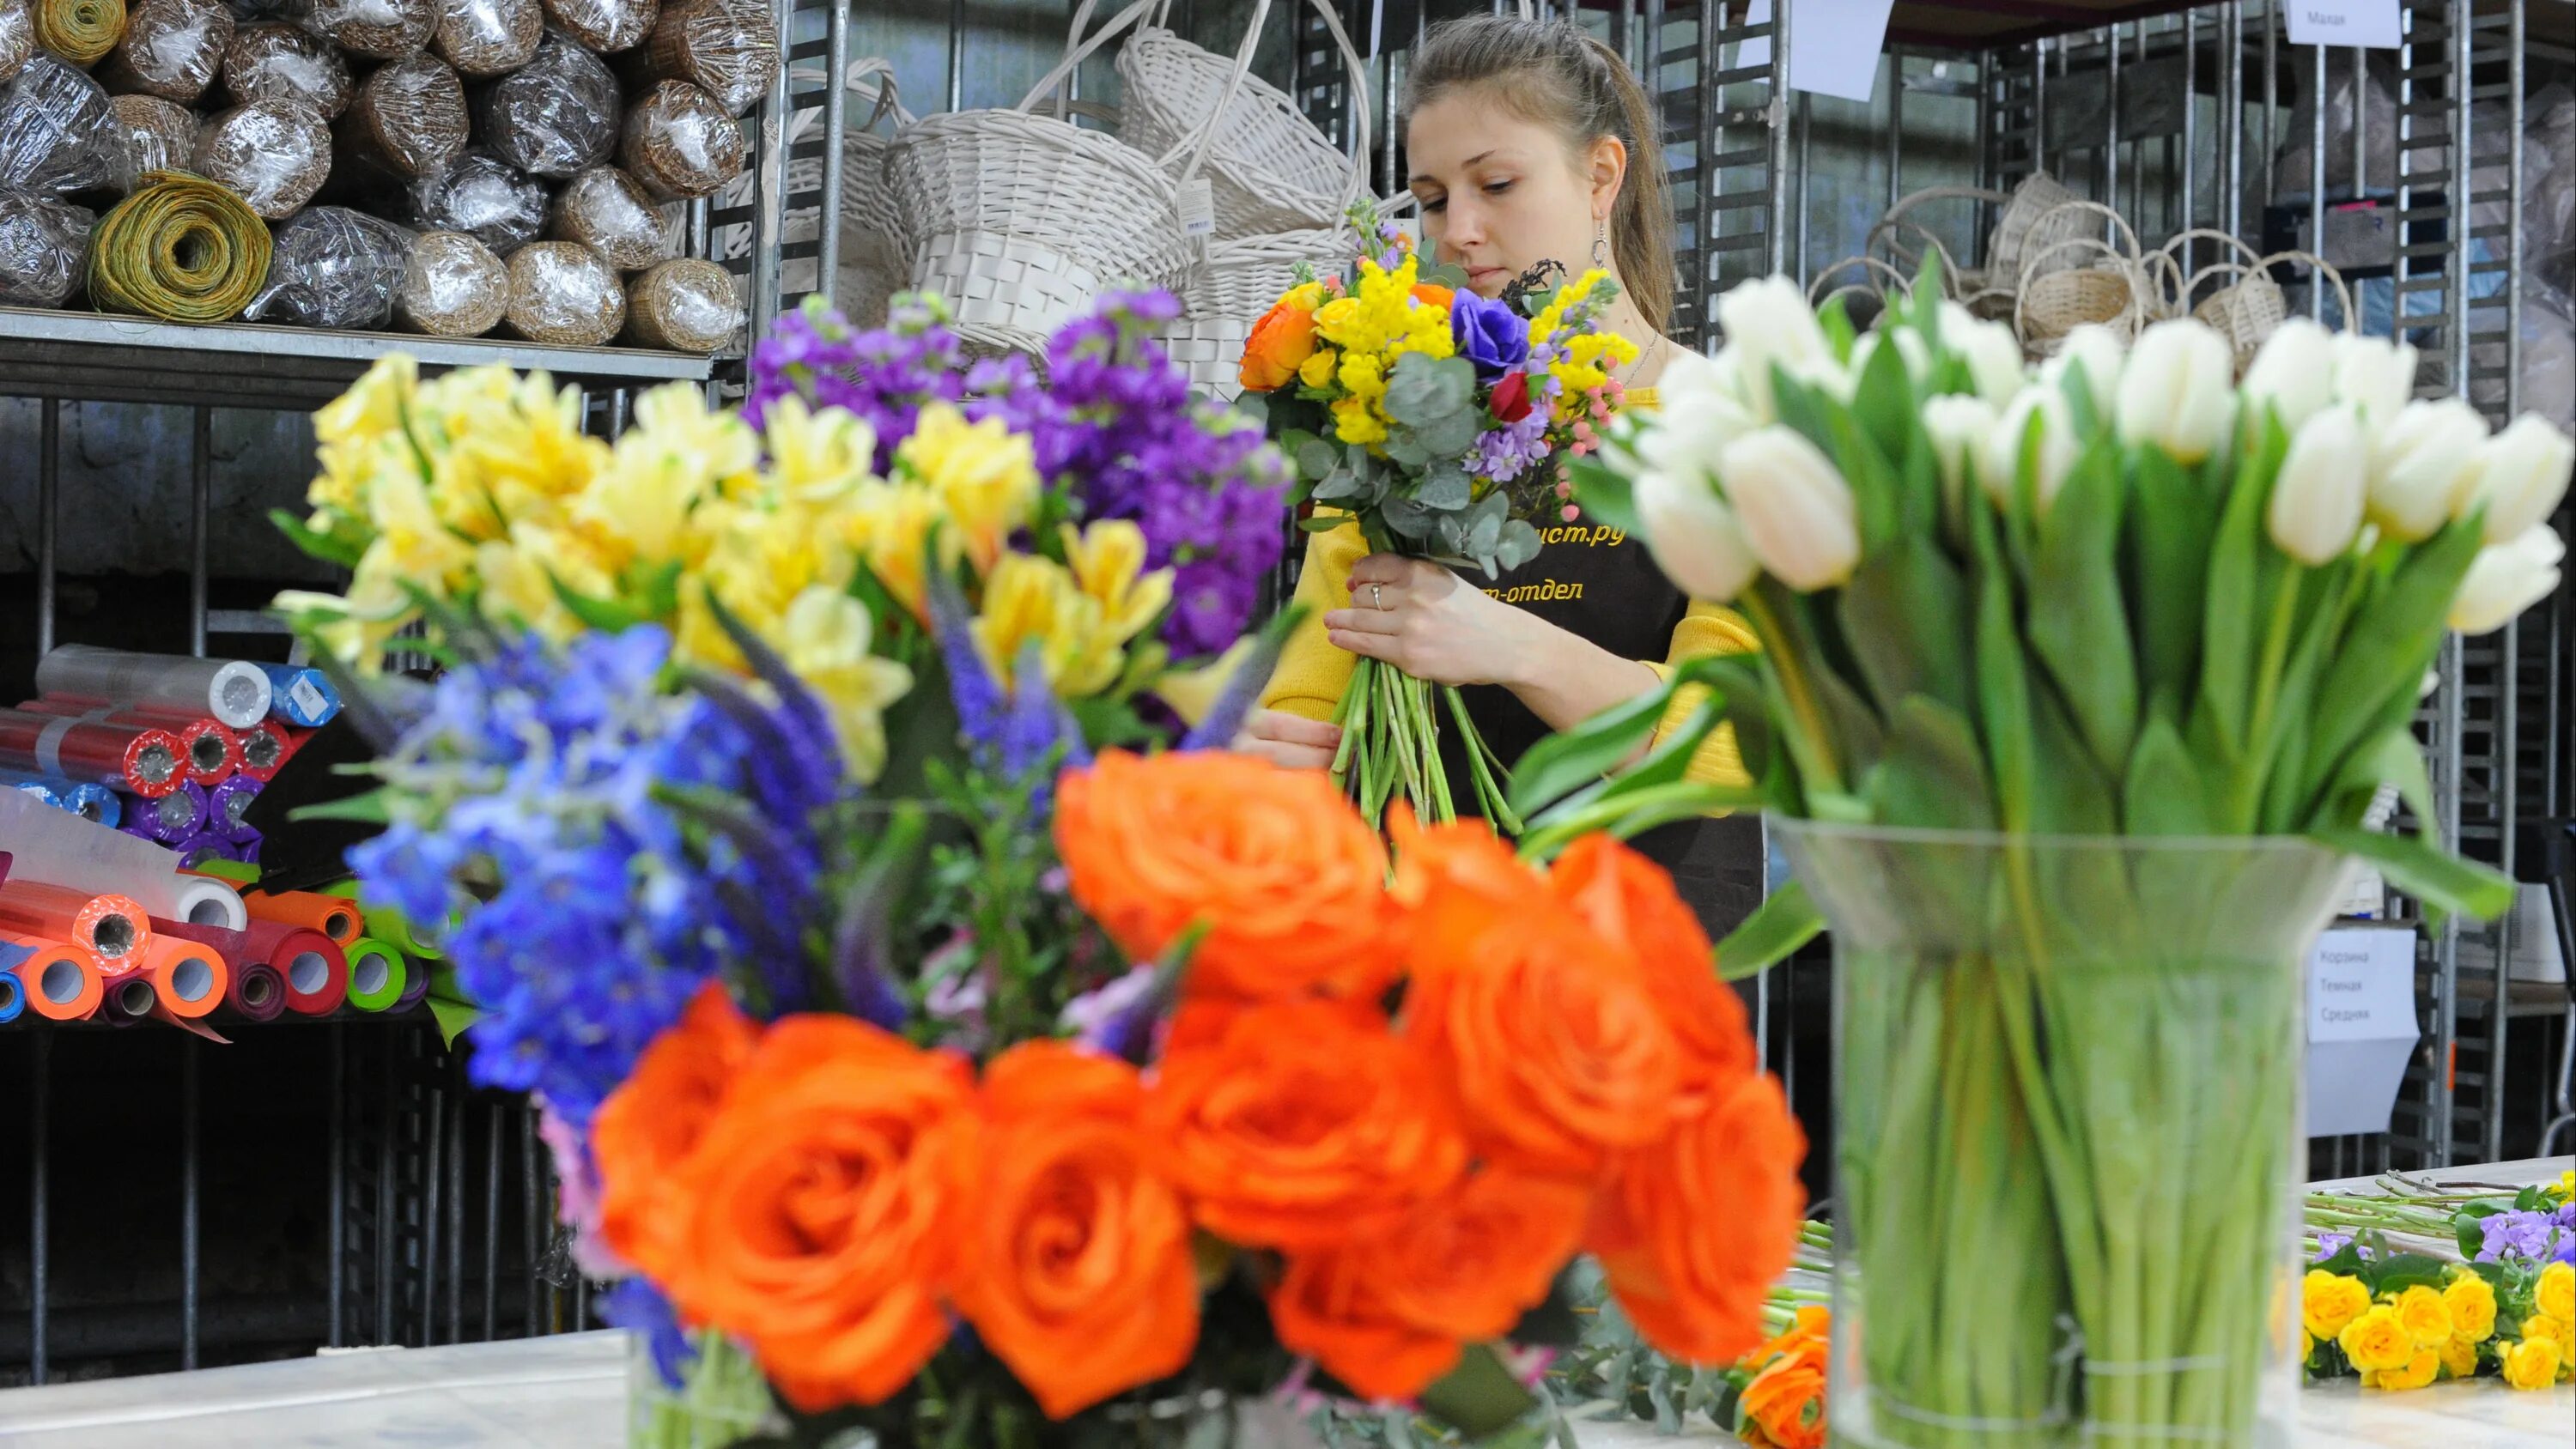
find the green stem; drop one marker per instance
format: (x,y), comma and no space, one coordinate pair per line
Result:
(2267,693)
(1793,683)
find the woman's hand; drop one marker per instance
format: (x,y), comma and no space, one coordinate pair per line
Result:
(1431,624)
(1289,740)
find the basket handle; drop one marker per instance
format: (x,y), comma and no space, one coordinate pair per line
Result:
(2121,223)
(879,71)
(1869,266)
(1894,216)
(2327,270)
(1199,142)
(1076,55)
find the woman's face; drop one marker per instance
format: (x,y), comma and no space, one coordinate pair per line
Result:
(1500,194)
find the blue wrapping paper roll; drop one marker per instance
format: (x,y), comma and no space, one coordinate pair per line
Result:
(13,996)
(89,801)
(300,696)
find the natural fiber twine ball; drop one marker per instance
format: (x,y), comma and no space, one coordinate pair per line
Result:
(80,31)
(452,287)
(610,212)
(686,305)
(554,117)
(605,26)
(375,29)
(681,142)
(485,197)
(43,242)
(159,136)
(485,38)
(727,48)
(17,37)
(565,295)
(274,154)
(408,119)
(274,62)
(171,49)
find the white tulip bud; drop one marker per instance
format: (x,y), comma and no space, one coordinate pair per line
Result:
(1683,439)
(2098,354)
(2423,466)
(2001,468)
(2178,391)
(1993,354)
(1695,379)
(2374,375)
(2316,501)
(1694,536)
(1767,321)
(2521,475)
(2507,578)
(1958,426)
(1795,509)
(2293,374)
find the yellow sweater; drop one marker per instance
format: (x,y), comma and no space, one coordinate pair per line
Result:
(1312,673)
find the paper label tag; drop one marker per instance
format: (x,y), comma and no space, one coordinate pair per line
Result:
(2372,23)
(2361,985)
(308,699)
(1198,207)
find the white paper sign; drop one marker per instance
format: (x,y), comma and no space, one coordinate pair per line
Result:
(1756,51)
(2361,985)
(1834,46)
(2372,23)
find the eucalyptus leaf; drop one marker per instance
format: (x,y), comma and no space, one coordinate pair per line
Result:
(1405,447)
(1315,457)
(1518,545)
(1445,487)
(1479,1396)
(1407,517)
(1451,435)
(1338,485)
(1484,535)
(1421,390)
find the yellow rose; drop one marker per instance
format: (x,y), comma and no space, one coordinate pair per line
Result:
(1336,315)
(2532,1363)
(2460,1358)
(982,473)
(2425,1318)
(2376,1342)
(2328,1301)
(2557,1330)
(2555,1294)
(1108,562)
(2472,1302)
(1317,370)
(2418,1370)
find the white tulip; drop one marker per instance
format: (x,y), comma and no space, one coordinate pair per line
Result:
(2507,578)
(1795,509)
(2178,390)
(1958,426)
(2001,467)
(1767,321)
(1685,436)
(1993,354)
(2316,501)
(2294,374)
(2375,375)
(1909,347)
(2423,467)
(2521,475)
(2098,353)
(1694,379)
(1694,536)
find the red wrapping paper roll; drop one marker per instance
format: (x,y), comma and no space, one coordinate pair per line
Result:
(62,981)
(268,745)
(144,760)
(129,1002)
(110,927)
(209,749)
(188,977)
(309,964)
(333,916)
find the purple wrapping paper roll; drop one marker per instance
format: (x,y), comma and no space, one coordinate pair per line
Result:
(246,841)
(175,816)
(226,803)
(136,825)
(256,993)
(415,988)
(202,847)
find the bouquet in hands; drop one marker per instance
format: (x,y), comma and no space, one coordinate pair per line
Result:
(1437,422)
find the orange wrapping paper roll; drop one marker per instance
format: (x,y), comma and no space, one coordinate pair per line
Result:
(111,928)
(333,916)
(188,977)
(62,981)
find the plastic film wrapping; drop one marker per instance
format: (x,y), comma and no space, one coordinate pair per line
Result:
(171,49)
(272,154)
(407,120)
(57,130)
(334,268)
(727,48)
(109,926)
(43,240)
(605,26)
(157,135)
(484,38)
(17,37)
(484,197)
(80,31)
(685,306)
(375,29)
(231,690)
(611,213)
(452,287)
(681,142)
(565,295)
(272,62)
(554,117)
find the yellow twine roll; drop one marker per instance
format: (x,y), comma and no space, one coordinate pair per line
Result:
(80,31)
(181,248)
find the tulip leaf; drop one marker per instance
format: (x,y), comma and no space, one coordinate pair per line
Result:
(2075,795)
(2169,536)
(1803,410)
(1834,320)
(1873,480)
(2393,757)
(1786,920)
(2003,685)
(1570,760)
(1906,613)
(2080,630)
(1605,495)
(2164,792)
(2392,640)
(2421,869)
(2228,634)
(1884,403)
(1932,776)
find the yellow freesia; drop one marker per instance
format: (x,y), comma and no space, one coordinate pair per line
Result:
(373,405)
(2472,1302)
(984,475)
(519,575)
(506,449)
(1193,693)
(1108,563)
(890,525)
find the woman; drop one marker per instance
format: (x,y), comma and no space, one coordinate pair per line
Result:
(1528,141)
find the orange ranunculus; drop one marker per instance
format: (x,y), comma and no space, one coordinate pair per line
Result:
(1432,294)
(1630,899)
(1389,1314)
(647,1128)
(1299,1124)
(1786,1400)
(1693,1229)
(823,1223)
(1077,1267)
(1465,854)
(1288,880)
(1281,342)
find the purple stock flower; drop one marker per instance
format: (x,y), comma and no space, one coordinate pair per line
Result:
(2329,1244)
(2538,1237)
(1489,334)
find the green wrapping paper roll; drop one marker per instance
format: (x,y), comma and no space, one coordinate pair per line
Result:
(181,248)
(80,31)
(377,974)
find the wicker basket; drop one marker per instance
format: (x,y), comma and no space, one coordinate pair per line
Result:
(1228,290)
(1877,278)
(2034,220)
(1269,170)
(1017,219)
(873,266)
(1973,288)
(2060,292)
(2249,308)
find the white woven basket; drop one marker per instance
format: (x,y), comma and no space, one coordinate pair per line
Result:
(873,265)
(1210,351)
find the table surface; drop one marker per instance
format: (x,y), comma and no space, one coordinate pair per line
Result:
(569,1392)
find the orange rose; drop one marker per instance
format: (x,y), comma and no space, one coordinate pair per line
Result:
(1432,294)
(1630,899)
(1298,1124)
(1288,879)
(1281,341)
(1077,1264)
(1787,1399)
(822,1221)
(649,1126)
(1693,1229)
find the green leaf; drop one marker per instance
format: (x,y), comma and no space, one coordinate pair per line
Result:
(1905,613)
(1835,319)
(1553,1323)
(2392,641)
(1570,760)
(2080,628)
(2164,792)
(1786,920)
(2075,796)
(1932,776)
(371,808)
(2415,866)
(1883,403)
(1422,390)
(601,614)
(1446,487)
(2003,684)
(1604,493)
(1519,544)
(1315,457)
(333,547)
(1450,435)
(454,1018)
(2229,621)
(1479,1396)
(2169,536)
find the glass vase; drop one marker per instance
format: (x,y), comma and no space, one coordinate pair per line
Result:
(721,1397)
(2067,1091)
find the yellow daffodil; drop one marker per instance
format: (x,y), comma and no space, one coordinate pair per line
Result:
(1030,600)
(826,638)
(2460,1358)
(2555,1293)
(2329,1301)
(2376,1341)
(2426,1319)
(984,475)
(816,459)
(2418,1370)
(2531,1364)
(1108,563)
(2472,1302)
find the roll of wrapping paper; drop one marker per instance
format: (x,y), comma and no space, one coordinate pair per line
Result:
(416,989)
(13,997)
(129,757)
(256,992)
(88,801)
(226,802)
(301,696)
(204,846)
(111,927)
(183,249)
(333,916)
(204,901)
(267,746)
(232,690)
(80,31)
(208,749)
(128,1001)
(60,981)
(246,843)
(175,816)
(309,965)
(188,977)
(378,975)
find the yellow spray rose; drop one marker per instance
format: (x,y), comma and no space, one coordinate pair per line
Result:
(2558,1331)
(2376,1342)
(2425,1318)
(2531,1364)
(2472,1302)
(2460,1358)
(2418,1370)
(982,473)
(1318,369)
(2555,1293)
(2329,1301)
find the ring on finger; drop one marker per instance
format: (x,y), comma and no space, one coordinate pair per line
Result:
(1377,596)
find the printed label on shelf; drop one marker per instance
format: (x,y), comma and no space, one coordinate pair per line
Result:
(1198,207)
(2371,23)
(308,699)
(2361,1027)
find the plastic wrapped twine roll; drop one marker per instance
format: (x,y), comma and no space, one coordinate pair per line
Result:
(334,268)
(181,248)
(79,31)
(233,691)
(272,154)
(188,977)
(489,37)
(128,757)
(484,197)
(110,927)
(159,135)
(727,48)
(42,242)
(408,119)
(610,212)
(681,142)
(17,37)
(606,26)
(556,116)
(377,974)
(272,62)
(57,131)
(62,982)
(452,286)
(563,294)
(684,306)
(375,29)
(171,49)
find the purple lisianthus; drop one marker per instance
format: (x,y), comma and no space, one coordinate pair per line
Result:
(1489,334)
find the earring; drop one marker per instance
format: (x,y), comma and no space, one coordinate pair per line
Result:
(1601,244)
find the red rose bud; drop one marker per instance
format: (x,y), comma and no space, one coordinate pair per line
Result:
(1510,401)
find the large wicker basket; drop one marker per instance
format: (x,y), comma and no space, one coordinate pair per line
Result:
(1228,290)
(2249,308)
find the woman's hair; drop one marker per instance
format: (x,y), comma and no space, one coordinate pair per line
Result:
(1554,73)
